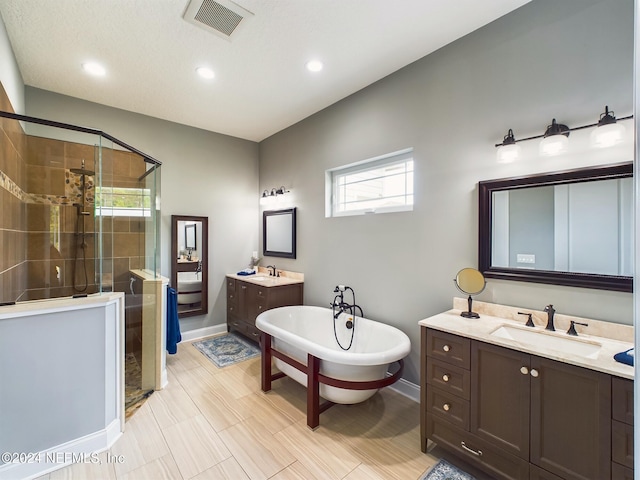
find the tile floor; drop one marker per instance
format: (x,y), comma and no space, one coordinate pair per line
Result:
(212,423)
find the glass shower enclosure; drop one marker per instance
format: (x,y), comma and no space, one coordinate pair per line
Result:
(79,216)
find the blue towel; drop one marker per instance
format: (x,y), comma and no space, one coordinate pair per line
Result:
(246,272)
(173,324)
(625,357)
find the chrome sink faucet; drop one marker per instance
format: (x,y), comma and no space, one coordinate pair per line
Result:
(550,312)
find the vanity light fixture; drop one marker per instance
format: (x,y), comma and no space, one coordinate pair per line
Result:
(555,139)
(508,151)
(269,196)
(609,131)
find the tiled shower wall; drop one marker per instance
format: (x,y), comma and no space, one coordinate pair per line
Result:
(39,247)
(13,236)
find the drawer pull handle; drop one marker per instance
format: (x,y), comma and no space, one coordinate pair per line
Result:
(477,453)
(445,377)
(446,348)
(524,370)
(259,307)
(244,287)
(534,373)
(254,334)
(446,407)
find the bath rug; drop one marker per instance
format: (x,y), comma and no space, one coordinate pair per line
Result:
(227,349)
(443,470)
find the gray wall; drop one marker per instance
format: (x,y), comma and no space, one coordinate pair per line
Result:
(203,174)
(547,59)
(531,220)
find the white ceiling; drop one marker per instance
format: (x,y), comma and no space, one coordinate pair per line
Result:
(261,86)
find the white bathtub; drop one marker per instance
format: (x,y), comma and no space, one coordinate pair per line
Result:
(301,330)
(189,288)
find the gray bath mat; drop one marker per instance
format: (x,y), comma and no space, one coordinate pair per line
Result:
(227,349)
(443,470)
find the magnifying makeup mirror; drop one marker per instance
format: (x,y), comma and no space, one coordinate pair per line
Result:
(470,282)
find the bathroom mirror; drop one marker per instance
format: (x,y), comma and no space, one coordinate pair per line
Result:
(572,228)
(470,282)
(279,233)
(189,260)
(190,236)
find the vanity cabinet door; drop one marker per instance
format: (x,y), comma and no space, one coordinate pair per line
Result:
(570,420)
(500,396)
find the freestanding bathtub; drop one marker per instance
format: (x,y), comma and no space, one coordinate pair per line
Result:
(189,288)
(302,342)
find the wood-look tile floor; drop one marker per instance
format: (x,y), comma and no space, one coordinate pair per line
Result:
(212,423)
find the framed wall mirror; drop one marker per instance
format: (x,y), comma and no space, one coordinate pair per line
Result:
(189,263)
(279,233)
(190,236)
(572,228)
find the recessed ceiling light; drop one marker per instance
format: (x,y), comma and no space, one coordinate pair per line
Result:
(314,65)
(205,72)
(94,69)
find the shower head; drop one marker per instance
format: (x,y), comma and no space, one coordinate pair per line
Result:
(81,171)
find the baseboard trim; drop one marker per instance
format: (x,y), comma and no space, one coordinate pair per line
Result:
(198,333)
(84,449)
(406,388)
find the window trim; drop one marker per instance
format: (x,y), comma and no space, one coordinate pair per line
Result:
(399,157)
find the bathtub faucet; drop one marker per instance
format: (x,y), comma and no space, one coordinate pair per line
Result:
(341,305)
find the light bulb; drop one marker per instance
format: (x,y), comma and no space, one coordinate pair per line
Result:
(508,153)
(607,135)
(554,145)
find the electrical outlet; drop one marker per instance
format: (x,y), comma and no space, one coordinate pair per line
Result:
(526,258)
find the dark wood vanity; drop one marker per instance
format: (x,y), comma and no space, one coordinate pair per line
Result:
(521,416)
(246,299)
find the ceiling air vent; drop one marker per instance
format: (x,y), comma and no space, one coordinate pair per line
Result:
(222,17)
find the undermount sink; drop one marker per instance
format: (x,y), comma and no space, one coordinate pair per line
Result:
(559,342)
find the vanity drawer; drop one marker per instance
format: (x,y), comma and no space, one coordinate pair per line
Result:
(449,348)
(252,332)
(448,406)
(622,400)
(448,378)
(479,453)
(622,443)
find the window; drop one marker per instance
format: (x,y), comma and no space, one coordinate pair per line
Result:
(378,185)
(123,202)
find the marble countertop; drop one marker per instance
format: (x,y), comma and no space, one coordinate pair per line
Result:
(481,329)
(266,280)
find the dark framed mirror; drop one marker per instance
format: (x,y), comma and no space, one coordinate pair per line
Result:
(572,228)
(189,263)
(279,233)
(190,236)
